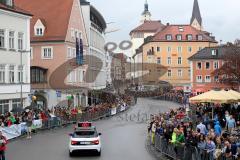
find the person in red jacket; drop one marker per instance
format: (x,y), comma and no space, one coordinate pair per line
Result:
(3,143)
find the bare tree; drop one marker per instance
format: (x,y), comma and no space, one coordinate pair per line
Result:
(229,73)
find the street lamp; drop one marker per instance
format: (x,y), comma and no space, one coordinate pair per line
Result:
(21,74)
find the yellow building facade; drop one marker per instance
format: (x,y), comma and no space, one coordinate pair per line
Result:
(172,61)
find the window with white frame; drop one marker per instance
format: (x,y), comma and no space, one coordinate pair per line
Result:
(69,53)
(207,79)
(74,74)
(207,65)
(169,60)
(199,78)
(169,73)
(4,106)
(199,65)
(179,37)
(9,3)
(179,60)
(189,49)
(80,34)
(74,52)
(69,77)
(180,73)
(199,37)
(169,37)
(2,38)
(11,39)
(47,52)
(179,49)
(80,75)
(76,34)
(11,74)
(2,73)
(216,64)
(16,103)
(189,37)
(159,60)
(72,33)
(169,49)
(20,74)
(20,41)
(39,31)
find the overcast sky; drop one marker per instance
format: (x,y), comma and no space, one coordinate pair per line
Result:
(220,17)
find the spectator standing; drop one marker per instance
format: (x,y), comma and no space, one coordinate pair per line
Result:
(210,148)
(217,128)
(3,143)
(202,128)
(231,124)
(29,122)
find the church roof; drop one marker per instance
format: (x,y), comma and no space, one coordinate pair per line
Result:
(149,26)
(196,13)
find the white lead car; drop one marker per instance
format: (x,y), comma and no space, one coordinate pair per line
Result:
(85,138)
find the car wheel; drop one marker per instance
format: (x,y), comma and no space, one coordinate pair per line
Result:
(70,154)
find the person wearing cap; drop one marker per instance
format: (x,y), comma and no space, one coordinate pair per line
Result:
(3,143)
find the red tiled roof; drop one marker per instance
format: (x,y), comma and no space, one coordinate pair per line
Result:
(15,9)
(55,13)
(149,26)
(187,30)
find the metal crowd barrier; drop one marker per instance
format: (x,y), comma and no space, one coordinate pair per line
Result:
(175,151)
(64,119)
(182,152)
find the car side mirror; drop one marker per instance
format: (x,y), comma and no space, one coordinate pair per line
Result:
(99,134)
(70,134)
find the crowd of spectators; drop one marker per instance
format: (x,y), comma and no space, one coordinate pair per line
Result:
(217,138)
(64,113)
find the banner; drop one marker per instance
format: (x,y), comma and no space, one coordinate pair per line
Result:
(12,131)
(79,51)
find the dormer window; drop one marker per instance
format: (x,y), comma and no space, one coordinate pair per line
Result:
(189,37)
(9,3)
(180,28)
(39,32)
(214,52)
(179,37)
(199,37)
(39,28)
(169,37)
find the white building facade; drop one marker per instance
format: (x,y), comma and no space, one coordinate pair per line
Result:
(95,28)
(14,58)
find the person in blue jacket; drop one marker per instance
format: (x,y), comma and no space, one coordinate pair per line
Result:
(217,128)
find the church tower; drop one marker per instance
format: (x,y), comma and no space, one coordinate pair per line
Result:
(146,15)
(196,20)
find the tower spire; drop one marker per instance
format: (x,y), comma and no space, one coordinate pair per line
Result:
(196,20)
(146,6)
(146,15)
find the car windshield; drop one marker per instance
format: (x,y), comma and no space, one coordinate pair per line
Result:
(86,134)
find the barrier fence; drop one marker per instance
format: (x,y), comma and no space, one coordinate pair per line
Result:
(183,152)
(17,130)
